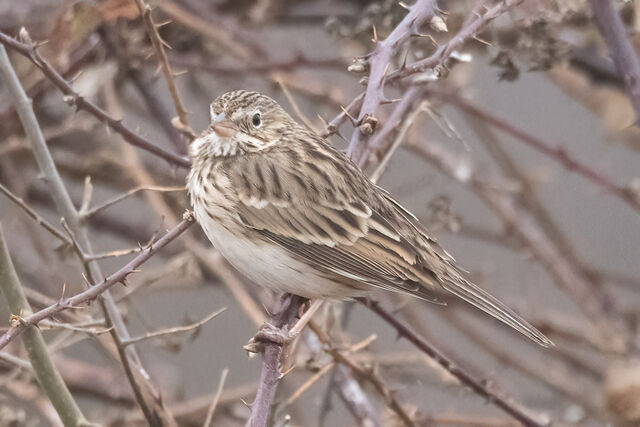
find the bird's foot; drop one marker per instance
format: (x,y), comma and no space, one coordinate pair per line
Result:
(269,334)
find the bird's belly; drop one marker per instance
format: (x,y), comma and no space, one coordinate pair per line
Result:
(271,266)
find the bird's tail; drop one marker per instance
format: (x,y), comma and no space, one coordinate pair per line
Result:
(476,296)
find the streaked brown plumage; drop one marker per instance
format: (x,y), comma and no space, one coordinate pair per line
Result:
(296,215)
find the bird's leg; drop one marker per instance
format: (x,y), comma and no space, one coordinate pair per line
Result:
(281,336)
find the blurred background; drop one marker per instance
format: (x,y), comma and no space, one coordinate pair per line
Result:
(519,152)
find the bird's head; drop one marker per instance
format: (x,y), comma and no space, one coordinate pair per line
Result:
(243,122)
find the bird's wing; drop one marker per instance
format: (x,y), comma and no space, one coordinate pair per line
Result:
(318,206)
(323,217)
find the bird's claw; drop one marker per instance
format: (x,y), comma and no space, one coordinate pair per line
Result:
(269,334)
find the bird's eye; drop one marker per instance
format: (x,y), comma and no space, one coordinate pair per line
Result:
(256,120)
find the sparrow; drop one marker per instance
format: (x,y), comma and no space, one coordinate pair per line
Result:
(296,215)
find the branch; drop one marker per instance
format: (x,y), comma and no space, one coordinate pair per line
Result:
(283,317)
(466,32)
(93,292)
(368,374)
(556,153)
(158,45)
(378,62)
(46,372)
(478,386)
(148,398)
(29,50)
(568,278)
(35,216)
(620,48)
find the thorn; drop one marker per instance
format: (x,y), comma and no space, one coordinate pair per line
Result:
(482,41)
(162,24)
(86,281)
(164,43)
(403,5)
(283,374)
(180,73)
(375,35)
(354,122)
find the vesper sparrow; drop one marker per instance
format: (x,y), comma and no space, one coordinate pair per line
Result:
(296,215)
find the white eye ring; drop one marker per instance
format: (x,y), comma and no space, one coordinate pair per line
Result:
(212,115)
(256,119)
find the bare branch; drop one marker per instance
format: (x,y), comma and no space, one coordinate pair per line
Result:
(158,45)
(45,370)
(620,48)
(72,97)
(478,386)
(93,292)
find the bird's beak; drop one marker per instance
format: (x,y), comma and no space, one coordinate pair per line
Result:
(223,127)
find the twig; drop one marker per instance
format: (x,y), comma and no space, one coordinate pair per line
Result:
(378,62)
(478,386)
(620,48)
(399,138)
(87,213)
(216,398)
(29,50)
(173,330)
(566,276)
(368,374)
(146,395)
(558,154)
(35,215)
(93,292)
(468,31)
(158,45)
(309,382)
(43,367)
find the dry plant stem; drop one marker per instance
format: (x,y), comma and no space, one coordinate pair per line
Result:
(478,386)
(35,215)
(216,398)
(171,331)
(379,61)
(569,279)
(474,26)
(549,374)
(621,50)
(349,390)
(158,45)
(76,301)
(147,396)
(529,199)
(46,372)
(72,97)
(284,316)
(556,153)
(368,374)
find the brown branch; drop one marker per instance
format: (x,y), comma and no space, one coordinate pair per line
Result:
(620,48)
(478,386)
(569,279)
(558,154)
(29,50)
(378,62)
(368,374)
(158,45)
(474,26)
(93,292)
